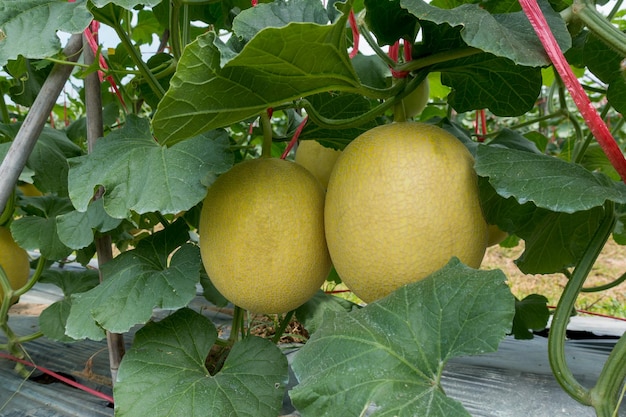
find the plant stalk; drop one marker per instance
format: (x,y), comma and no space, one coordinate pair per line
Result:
(558,329)
(36,118)
(266,125)
(145,71)
(605,394)
(600,26)
(93,102)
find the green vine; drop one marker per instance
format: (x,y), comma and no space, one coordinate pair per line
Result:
(599,25)
(556,340)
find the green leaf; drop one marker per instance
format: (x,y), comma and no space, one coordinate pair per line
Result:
(339,106)
(38,229)
(506,35)
(140,175)
(601,60)
(18,18)
(555,241)
(548,182)
(390,22)
(387,358)
(28,80)
(311,313)
(475,79)
(213,87)
(126,4)
(277,14)
(48,160)
(531,313)
(76,228)
(164,373)
(137,281)
(53,319)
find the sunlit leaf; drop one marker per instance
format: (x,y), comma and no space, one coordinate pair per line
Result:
(387,358)
(506,35)
(214,86)
(19,17)
(137,281)
(546,181)
(140,175)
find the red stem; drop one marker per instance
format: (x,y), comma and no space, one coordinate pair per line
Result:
(91,34)
(59,377)
(589,113)
(295,137)
(355,34)
(393,53)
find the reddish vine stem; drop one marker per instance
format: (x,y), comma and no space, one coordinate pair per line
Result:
(59,377)
(355,34)
(295,137)
(588,112)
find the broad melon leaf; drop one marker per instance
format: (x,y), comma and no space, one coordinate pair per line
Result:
(53,319)
(339,106)
(506,35)
(531,313)
(387,358)
(214,87)
(19,17)
(126,4)
(76,228)
(38,229)
(389,21)
(164,373)
(277,14)
(553,240)
(474,79)
(137,281)
(546,181)
(140,175)
(311,314)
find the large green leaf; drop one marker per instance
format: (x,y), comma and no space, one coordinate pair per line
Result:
(53,319)
(492,82)
(126,4)
(140,175)
(215,87)
(546,181)
(278,14)
(339,106)
(164,373)
(18,18)
(387,358)
(76,228)
(390,22)
(38,229)
(553,240)
(137,281)
(507,35)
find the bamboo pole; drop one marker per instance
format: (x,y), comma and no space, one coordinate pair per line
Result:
(93,102)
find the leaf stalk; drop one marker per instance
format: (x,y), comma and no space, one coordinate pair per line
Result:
(558,329)
(600,26)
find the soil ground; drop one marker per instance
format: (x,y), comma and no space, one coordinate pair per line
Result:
(610,265)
